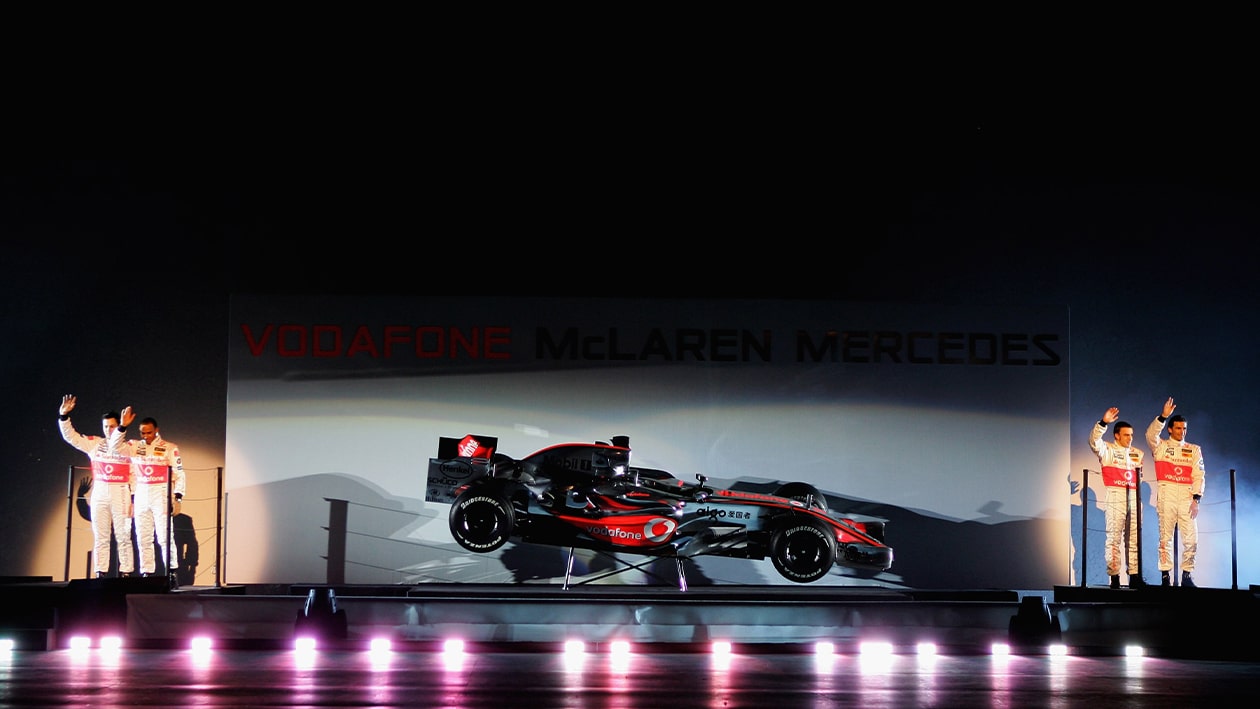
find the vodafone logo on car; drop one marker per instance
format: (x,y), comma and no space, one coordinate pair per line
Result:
(659,529)
(655,531)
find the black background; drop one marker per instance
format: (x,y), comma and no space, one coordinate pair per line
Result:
(1142,221)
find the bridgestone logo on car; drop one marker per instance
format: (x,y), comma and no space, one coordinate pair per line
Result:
(802,528)
(486,500)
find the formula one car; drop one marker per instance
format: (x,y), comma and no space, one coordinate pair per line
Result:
(587,495)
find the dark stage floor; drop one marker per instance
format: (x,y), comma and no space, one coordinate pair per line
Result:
(644,646)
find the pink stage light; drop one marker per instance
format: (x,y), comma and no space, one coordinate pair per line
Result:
(875,648)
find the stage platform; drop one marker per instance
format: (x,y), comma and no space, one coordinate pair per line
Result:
(1173,622)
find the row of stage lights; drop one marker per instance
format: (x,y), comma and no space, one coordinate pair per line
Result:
(617,648)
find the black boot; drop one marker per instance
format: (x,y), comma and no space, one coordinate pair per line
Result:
(1186,581)
(1136,581)
(1115,581)
(1164,580)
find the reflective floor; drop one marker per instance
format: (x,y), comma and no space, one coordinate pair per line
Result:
(607,677)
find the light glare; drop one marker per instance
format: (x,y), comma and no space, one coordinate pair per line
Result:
(453,654)
(874,648)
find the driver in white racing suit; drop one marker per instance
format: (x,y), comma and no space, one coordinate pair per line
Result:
(1180,474)
(111,484)
(156,467)
(1121,468)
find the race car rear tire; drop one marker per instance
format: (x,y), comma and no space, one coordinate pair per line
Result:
(803,492)
(481,520)
(802,549)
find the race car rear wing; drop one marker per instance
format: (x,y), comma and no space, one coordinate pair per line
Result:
(458,462)
(470,446)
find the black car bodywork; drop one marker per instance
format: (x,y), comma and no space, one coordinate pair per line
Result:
(587,495)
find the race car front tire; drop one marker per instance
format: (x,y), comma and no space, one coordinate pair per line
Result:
(481,520)
(804,492)
(802,549)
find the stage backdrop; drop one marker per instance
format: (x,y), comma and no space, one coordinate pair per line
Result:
(949,423)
